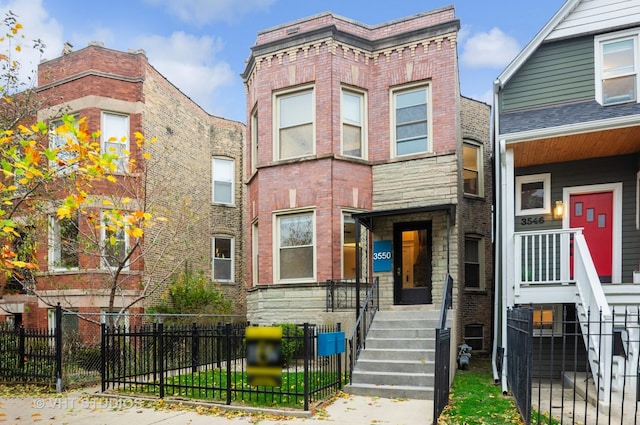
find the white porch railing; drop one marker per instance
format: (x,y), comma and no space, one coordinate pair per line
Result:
(596,321)
(544,258)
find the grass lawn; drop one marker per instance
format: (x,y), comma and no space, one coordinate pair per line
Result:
(474,398)
(211,386)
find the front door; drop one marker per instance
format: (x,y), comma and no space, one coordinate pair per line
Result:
(594,213)
(412,262)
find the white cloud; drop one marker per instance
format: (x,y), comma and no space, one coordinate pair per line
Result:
(37,25)
(200,12)
(494,49)
(189,62)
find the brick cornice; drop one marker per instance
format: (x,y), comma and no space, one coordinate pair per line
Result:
(89,73)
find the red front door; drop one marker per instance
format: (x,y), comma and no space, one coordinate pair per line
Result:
(594,213)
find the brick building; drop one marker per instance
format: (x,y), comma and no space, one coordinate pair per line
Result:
(357,136)
(191,178)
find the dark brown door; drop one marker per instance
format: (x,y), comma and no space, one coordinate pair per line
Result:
(412,262)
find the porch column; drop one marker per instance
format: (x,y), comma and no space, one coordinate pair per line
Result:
(358,265)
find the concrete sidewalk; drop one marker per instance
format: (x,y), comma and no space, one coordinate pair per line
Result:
(88,408)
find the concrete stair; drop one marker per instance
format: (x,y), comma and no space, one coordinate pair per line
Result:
(399,355)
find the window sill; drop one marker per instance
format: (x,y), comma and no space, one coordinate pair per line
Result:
(220,204)
(473,197)
(476,291)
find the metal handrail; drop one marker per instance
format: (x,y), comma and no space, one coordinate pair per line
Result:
(447,300)
(362,325)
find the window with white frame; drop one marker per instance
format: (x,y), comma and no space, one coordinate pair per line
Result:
(472,169)
(116,318)
(294,118)
(353,124)
(295,246)
(63,243)
(115,244)
(616,66)
(254,141)
(59,138)
(533,194)
(473,261)
(115,138)
(411,120)
(223,172)
(223,258)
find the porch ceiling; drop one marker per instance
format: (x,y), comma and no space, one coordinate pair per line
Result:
(597,144)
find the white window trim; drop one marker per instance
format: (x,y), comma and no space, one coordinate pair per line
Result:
(57,140)
(276,116)
(231,258)
(480,159)
(363,122)
(599,40)
(557,321)
(233,180)
(392,111)
(276,245)
(546,184)
(127,143)
(103,262)
(481,260)
(53,230)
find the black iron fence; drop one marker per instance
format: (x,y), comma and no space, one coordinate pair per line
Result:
(209,363)
(520,364)
(549,371)
(28,355)
(341,294)
(442,369)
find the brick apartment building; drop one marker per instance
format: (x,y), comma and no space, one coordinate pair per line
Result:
(358,129)
(192,178)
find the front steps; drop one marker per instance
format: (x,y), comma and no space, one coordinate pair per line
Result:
(398,361)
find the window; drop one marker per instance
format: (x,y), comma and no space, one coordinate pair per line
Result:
(115,244)
(411,131)
(58,139)
(116,318)
(473,260)
(545,321)
(353,130)
(295,113)
(474,336)
(348,247)
(472,175)
(223,181)
(63,243)
(295,246)
(115,138)
(533,194)
(223,259)
(254,141)
(616,67)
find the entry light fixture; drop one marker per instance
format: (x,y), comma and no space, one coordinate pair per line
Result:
(558,210)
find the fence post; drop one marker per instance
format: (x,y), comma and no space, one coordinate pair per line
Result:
(227,343)
(306,366)
(58,338)
(103,356)
(21,353)
(160,357)
(338,329)
(219,346)
(195,344)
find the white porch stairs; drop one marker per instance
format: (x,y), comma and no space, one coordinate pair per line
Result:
(398,360)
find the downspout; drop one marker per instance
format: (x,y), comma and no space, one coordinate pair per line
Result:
(497,233)
(503,269)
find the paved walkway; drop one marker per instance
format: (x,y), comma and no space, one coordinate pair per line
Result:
(87,408)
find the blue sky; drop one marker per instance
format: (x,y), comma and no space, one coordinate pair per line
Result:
(201,45)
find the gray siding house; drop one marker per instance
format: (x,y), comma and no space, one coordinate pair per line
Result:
(567,144)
